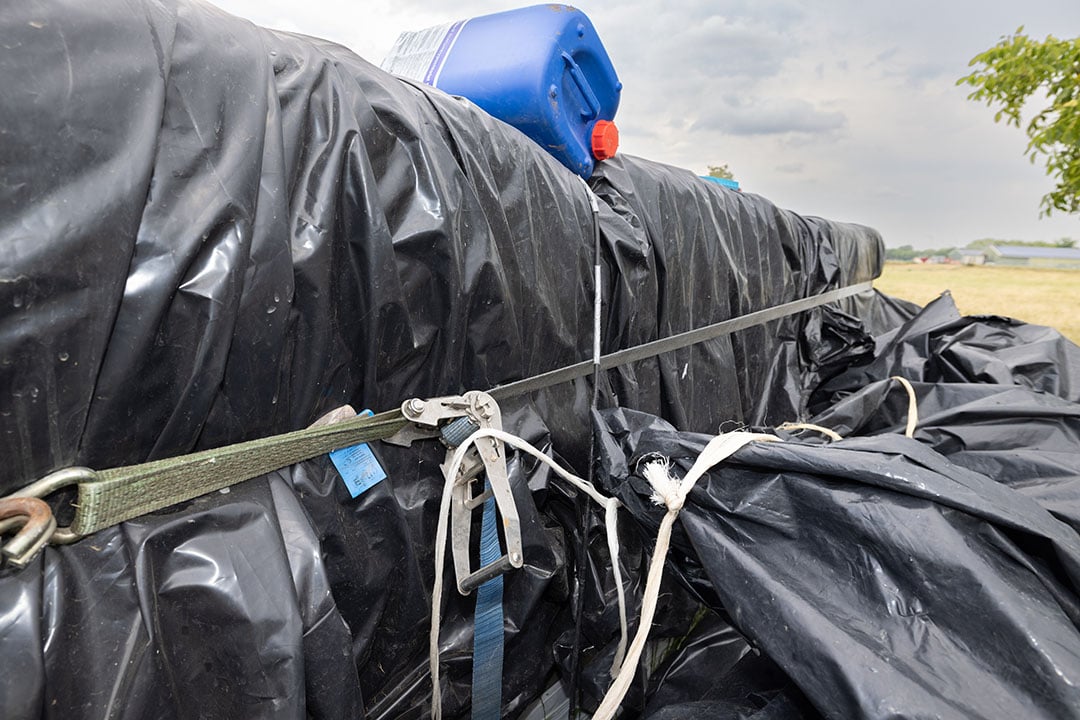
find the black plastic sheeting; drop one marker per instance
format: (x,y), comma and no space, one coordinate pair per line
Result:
(884,576)
(213,232)
(995,395)
(267,227)
(883,579)
(939,346)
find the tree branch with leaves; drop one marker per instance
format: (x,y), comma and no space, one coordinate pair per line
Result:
(1018,69)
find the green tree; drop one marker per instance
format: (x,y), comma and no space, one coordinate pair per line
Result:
(987,242)
(721,171)
(1018,68)
(904,253)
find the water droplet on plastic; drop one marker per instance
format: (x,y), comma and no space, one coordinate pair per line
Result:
(63,357)
(277,298)
(270,310)
(34,392)
(17,301)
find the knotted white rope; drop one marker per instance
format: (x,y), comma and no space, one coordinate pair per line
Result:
(610,505)
(671,493)
(668,491)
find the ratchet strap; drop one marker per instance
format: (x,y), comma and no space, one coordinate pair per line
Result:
(109,497)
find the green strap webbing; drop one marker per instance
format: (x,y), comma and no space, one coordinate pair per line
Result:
(123,493)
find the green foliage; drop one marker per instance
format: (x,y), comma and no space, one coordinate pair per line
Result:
(721,171)
(987,242)
(1016,69)
(906,253)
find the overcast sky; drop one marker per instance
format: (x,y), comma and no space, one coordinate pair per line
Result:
(846,109)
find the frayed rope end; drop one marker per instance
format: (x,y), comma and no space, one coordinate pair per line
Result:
(667,490)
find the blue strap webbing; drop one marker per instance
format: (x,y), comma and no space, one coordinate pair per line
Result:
(488,627)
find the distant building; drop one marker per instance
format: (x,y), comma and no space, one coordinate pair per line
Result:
(968,257)
(1047,257)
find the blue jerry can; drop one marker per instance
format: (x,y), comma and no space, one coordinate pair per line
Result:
(541,69)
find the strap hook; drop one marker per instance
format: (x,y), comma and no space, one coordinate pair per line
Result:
(35,522)
(40,490)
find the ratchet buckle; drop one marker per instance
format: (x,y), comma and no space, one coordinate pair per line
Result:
(453,419)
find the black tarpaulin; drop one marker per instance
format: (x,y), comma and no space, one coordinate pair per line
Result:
(214,232)
(883,579)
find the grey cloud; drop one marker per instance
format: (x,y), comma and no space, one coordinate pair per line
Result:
(731,44)
(704,38)
(773,116)
(919,73)
(778,15)
(887,55)
(790,168)
(637,129)
(713,49)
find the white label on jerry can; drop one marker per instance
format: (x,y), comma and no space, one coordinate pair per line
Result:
(420,55)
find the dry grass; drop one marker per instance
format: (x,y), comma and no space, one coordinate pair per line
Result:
(1042,297)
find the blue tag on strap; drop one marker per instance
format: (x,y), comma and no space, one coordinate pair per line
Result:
(358,466)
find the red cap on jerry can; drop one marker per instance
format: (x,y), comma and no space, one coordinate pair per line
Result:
(605,140)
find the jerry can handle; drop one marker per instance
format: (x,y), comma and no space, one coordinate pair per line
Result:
(593,104)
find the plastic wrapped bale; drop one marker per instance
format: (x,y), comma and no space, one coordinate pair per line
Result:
(214,232)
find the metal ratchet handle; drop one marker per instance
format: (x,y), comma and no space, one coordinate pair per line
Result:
(487,456)
(462,508)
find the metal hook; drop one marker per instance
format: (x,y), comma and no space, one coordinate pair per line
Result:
(43,488)
(37,527)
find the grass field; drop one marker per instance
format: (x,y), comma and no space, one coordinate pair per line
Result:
(1043,297)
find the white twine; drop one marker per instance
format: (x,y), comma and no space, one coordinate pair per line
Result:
(909,430)
(671,493)
(610,505)
(668,491)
